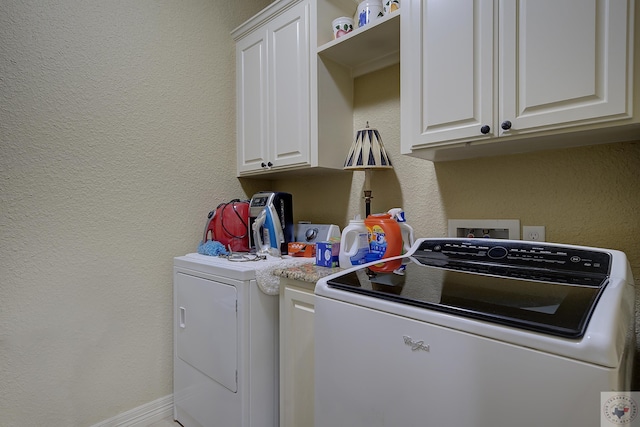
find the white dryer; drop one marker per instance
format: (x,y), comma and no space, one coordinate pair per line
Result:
(225,345)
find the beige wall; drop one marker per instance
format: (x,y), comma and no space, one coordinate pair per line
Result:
(116,138)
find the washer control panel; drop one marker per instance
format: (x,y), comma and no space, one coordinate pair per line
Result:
(517,254)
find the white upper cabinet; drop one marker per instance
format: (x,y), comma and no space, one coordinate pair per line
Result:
(563,62)
(516,74)
(273,89)
(289,87)
(295,84)
(447,69)
(251,111)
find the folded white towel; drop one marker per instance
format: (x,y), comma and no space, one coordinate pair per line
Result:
(267,282)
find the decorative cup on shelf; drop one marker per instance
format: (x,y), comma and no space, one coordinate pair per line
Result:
(342,26)
(390,6)
(368,11)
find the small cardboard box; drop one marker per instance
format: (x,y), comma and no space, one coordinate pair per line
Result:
(328,254)
(301,249)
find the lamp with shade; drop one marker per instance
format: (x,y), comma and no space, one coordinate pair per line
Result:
(367,153)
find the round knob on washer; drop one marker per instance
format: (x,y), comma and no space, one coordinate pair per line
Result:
(311,234)
(497,252)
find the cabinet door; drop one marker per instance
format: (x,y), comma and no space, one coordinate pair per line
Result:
(447,70)
(562,62)
(251,103)
(289,104)
(297,360)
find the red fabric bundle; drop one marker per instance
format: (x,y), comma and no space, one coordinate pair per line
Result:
(228,224)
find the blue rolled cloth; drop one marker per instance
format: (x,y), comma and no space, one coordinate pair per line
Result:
(211,248)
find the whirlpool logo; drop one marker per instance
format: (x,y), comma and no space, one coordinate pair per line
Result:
(415,345)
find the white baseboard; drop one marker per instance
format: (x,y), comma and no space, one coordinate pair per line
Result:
(143,415)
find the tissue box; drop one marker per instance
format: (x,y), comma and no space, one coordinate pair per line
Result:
(301,249)
(328,254)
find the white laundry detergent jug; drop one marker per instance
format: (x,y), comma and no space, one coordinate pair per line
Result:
(405,229)
(354,243)
(407,233)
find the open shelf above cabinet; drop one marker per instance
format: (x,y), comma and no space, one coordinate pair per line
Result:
(369,48)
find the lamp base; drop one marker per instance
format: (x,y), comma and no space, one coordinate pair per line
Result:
(367,202)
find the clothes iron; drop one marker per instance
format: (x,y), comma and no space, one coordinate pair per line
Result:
(279,208)
(267,232)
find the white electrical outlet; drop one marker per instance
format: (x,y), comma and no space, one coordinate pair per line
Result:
(533,233)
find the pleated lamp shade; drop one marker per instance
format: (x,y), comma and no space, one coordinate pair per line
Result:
(367,152)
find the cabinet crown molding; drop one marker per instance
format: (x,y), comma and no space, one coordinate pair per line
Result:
(267,14)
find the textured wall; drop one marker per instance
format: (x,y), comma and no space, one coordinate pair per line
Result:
(116,138)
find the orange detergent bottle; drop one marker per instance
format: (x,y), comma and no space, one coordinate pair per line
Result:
(385,241)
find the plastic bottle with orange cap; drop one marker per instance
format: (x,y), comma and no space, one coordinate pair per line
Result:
(389,236)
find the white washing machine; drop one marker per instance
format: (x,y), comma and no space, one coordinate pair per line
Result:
(225,345)
(476,333)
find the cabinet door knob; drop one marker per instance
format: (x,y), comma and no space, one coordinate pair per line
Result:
(269,164)
(506,125)
(263,164)
(485,129)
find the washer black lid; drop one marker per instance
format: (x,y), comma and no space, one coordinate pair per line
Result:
(520,285)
